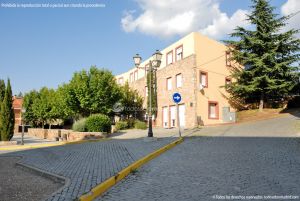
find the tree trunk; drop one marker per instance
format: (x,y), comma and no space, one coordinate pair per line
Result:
(261,103)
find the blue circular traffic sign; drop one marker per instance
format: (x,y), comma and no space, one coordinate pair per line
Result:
(176,97)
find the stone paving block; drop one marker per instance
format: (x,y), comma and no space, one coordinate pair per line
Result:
(88,164)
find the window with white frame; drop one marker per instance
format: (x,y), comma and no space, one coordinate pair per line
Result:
(146,91)
(179,80)
(204,79)
(170,58)
(136,75)
(213,110)
(121,80)
(179,53)
(169,83)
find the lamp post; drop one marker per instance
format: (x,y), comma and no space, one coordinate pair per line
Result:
(23,128)
(153,66)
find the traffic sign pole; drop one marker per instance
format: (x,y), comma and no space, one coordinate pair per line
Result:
(177,99)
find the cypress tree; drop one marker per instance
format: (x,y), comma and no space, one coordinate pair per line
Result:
(2,93)
(2,90)
(7,117)
(268,55)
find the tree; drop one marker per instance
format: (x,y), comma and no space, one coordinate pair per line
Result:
(42,106)
(151,76)
(2,90)
(91,92)
(131,101)
(28,102)
(7,117)
(268,54)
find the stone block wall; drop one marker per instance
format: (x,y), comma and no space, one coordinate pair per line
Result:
(68,135)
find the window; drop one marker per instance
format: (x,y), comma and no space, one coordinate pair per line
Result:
(136,75)
(121,80)
(146,91)
(170,57)
(169,83)
(204,79)
(228,57)
(179,53)
(178,80)
(131,77)
(173,116)
(213,110)
(227,80)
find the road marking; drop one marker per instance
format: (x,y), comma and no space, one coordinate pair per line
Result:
(107,184)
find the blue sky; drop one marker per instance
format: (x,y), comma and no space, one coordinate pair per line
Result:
(44,46)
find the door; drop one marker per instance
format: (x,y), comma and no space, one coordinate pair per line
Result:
(173,116)
(165,117)
(182,115)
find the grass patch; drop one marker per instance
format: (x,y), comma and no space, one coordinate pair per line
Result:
(249,115)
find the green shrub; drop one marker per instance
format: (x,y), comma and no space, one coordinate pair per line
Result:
(130,123)
(140,125)
(80,125)
(121,125)
(98,123)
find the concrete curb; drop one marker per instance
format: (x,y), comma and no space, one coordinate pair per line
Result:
(104,186)
(26,147)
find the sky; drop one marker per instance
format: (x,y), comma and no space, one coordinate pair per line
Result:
(45,46)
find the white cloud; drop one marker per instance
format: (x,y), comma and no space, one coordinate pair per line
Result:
(291,7)
(179,17)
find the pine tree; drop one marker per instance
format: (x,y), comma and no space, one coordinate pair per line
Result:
(7,117)
(268,55)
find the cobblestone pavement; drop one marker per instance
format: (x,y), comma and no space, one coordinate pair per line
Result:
(87,164)
(202,167)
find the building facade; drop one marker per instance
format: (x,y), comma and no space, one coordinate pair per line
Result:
(17,106)
(198,68)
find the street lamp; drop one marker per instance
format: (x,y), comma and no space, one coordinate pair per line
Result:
(23,129)
(153,66)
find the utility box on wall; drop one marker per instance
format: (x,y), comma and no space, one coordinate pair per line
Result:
(228,117)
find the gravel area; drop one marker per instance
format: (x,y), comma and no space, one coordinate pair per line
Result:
(19,184)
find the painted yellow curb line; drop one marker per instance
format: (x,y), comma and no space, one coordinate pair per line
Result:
(101,188)
(23,147)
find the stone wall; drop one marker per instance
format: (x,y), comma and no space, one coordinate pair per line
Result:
(63,134)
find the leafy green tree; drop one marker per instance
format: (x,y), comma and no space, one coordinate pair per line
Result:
(28,101)
(7,116)
(91,92)
(60,106)
(131,101)
(42,106)
(268,54)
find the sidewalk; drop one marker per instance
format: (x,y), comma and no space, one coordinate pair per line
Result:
(29,142)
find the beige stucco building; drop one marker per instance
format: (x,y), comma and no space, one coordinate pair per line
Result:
(197,67)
